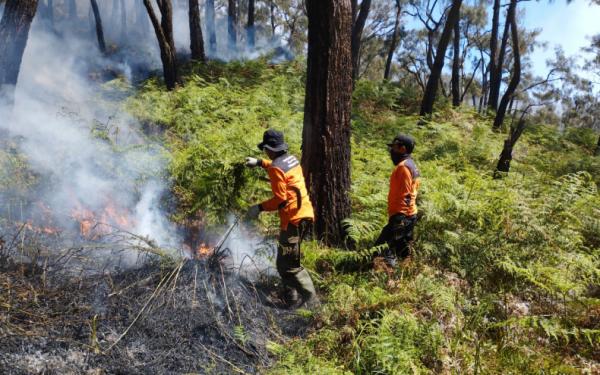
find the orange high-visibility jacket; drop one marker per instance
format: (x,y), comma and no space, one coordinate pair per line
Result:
(404,185)
(290,196)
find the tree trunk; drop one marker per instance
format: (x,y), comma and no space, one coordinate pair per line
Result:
(505,157)
(597,151)
(456,97)
(232,23)
(357,30)
(99,30)
(123,22)
(142,18)
(114,17)
(272,10)
(496,77)
(516,76)
(327,111)
(251,32)
(72,10)
(494,41)
(210,25)
(164,35)
(438,64)
(393,43)
(48,13)
(510,142)
(196,39)
(14,32)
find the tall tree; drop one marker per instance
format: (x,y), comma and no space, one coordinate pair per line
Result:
(141,18)
(438,64)
(72,10)
(393,42)
(516,72)
(272,16)
(50,12)
(456,97)
(496,74)
(196,39)
(359,18)
(232,23)
(123,21)
(494,44)
(164,34)
(326,132)
(209,15)
(99,29)
(251,32)
(509,143)
(14,32)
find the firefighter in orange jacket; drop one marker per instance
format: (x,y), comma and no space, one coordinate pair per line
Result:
(402,207)
(291,200)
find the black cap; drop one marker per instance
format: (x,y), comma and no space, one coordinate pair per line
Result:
(404,140)
(273,140)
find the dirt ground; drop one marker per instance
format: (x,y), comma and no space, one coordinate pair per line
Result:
(167,317)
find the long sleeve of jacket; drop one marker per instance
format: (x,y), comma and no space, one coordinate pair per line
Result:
(400,194)
(278,187)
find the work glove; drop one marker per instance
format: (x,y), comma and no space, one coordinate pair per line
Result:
(253,212)
(253,162)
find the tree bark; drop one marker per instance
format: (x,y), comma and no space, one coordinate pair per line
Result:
(99,29)
(72,10)
(250,31)
(597,151)
(164,34)
(48,14)
(114,17)
(327,111)
(210,25)
(14,32)
(123,22)
(516,76)
(494,41)
(141,18)
(196,38)
(232,23)
(496,76)
(438,64)
(393,43)
(357,30)
(272,16)
(456,97)
(506,154)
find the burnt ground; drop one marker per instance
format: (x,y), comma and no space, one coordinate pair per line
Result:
(166,317)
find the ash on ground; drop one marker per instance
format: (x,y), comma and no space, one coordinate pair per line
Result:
(165,317)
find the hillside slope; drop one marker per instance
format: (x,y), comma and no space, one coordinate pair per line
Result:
(504,277)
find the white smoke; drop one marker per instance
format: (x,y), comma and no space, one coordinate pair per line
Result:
(85,149)
(249,253)
(271,45)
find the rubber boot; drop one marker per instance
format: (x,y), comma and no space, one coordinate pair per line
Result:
(306,288)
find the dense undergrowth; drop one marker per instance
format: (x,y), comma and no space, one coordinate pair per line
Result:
(505,274)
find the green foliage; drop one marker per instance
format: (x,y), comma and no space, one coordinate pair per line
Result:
(484,247)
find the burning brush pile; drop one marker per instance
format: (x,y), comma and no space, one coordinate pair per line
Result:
(166,316)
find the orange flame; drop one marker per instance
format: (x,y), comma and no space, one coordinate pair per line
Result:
(203,251)
(93,225)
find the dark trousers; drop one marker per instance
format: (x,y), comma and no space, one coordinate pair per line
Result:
(293,275)
(398,234)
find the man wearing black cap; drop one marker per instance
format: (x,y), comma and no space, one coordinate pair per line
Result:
(291,200)
(402,207)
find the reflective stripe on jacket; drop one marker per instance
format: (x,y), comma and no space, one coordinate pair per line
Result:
(404,184)
(290,196)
